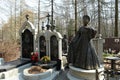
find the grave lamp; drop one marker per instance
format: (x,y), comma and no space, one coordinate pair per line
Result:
(43,26)
(27,16)
(48,26)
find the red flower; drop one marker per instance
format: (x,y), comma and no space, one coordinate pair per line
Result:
(34,57)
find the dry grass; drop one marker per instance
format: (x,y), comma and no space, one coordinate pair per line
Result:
(10,51)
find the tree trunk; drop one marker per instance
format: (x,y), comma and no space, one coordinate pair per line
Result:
(75,16)
(52,14)
(38,15)
(116,19)
(99,11)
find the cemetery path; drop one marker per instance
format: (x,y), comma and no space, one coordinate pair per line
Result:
(62,75)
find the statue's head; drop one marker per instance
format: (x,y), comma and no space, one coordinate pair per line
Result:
(86,20)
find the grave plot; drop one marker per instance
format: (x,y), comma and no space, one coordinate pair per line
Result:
(27,38)
(14,69)
(49,55)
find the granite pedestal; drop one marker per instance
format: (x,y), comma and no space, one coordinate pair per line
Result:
(82,74)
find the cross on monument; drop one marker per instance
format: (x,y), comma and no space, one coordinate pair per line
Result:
(48,16)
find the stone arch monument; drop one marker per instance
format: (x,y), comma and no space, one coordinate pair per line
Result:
(27,36)
(50,44)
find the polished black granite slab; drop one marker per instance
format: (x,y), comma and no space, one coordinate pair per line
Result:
(13,64)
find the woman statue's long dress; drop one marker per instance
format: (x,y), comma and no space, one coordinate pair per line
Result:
(81,53)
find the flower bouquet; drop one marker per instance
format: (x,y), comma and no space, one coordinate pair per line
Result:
(34,57)
(45,59)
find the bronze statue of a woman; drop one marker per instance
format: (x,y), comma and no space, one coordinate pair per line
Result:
(81,53)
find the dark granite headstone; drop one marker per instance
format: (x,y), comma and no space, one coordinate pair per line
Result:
(54,47)
(27,44)
(13,64)
(42,46)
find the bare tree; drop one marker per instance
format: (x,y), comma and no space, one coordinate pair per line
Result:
(15,19)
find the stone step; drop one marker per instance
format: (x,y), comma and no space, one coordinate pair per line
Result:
(13,72)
